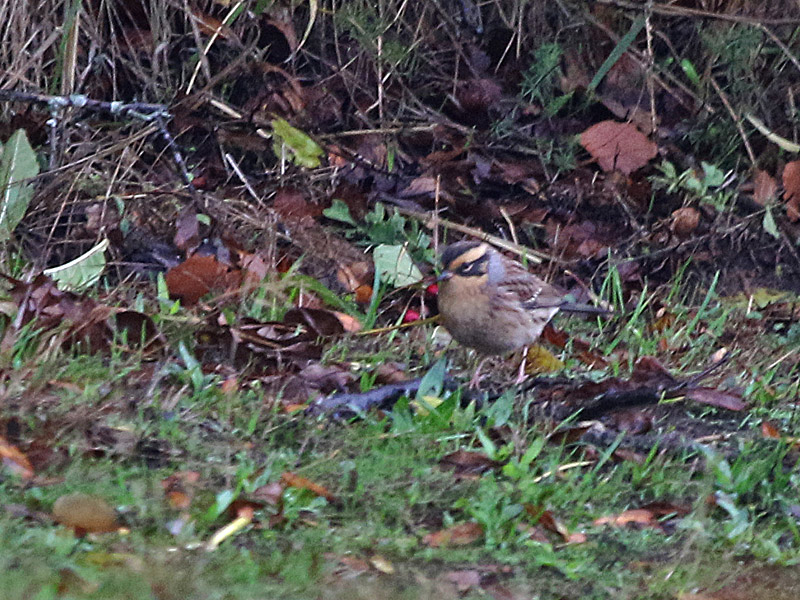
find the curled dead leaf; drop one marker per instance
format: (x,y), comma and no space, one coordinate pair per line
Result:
(684,221)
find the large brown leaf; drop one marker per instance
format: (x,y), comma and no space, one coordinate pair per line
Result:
(618,146)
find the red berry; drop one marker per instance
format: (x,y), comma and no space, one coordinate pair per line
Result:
(411,315)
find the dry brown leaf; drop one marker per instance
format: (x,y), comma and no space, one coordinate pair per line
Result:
(625,454)
(271,493)
(768,430)
(179,488)
(548,521)
(355,276)
(351,565)
(645,516)
(457,535)
(791,189)
(290,479)
(198,275)
(684,221)
(468,464)
(212,26)
(291,204)
(14,460)
(420,186)
(349,324)
(187,230)
(637,516)
(464,580)
(715,397)
(618,146)
(765,187)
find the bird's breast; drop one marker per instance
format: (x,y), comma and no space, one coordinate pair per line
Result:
(474,320)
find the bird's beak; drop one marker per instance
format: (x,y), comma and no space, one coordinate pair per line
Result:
(445,276)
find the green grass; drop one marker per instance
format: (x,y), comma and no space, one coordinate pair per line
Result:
(117,427)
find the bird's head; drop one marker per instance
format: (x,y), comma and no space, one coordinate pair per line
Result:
(469,260)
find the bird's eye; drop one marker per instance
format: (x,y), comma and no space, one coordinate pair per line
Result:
(471,269)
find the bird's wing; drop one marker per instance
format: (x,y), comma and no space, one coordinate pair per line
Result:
(528,291)
(532,293)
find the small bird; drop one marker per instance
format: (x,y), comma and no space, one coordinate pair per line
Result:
(491,303)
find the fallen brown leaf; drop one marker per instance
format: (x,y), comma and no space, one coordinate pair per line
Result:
(14,460)
(715,397)
(791,189)
(618,146)
(684,221)
(464,580)
(768,430)
(765,187)
(297,481)
(463,534)
(198,275)
(468,464)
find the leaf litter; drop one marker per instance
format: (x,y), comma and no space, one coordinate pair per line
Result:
(278,131)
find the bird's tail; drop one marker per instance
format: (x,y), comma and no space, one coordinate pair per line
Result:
(584,308)
(574,307)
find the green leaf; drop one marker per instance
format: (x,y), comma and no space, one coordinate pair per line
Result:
(304,151)
(489,447)
(690,72)
(394,265)
(768,223)
(82,272)
(713,175)
(536,447)
(221,503)
(433,381)
(499,412)
(17,165)
(339,211)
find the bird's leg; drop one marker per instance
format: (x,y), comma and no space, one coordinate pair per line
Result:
(521,376)
(474,383)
